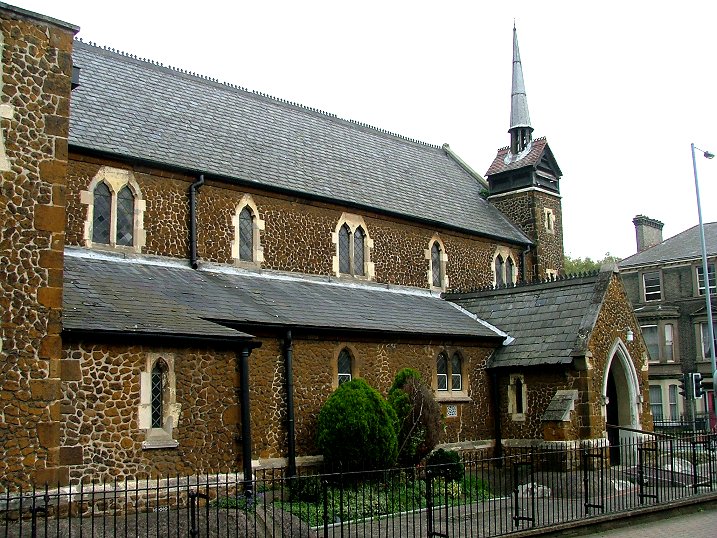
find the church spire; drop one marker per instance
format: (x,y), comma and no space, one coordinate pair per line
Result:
(520,129)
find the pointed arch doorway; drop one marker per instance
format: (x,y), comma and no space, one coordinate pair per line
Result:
(621,397)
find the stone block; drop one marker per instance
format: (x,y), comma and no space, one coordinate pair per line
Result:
(50,297)
(54,278)
(57,84)
(45,389)
(230,416)
(51,259)
(53,171)
(61,39)
(56,125)
(50,218)
(70,370)
(50,347)
(48,433)
(71,455)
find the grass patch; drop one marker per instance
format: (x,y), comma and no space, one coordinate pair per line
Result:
(402,492)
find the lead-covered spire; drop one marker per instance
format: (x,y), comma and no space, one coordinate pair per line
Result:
(520,128)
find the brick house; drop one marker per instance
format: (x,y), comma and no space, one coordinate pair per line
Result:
(189,270)
(665,283)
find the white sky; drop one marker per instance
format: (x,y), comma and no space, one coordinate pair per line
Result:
(619,88)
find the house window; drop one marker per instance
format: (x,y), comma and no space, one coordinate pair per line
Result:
(246,245)
(158,410)
(701,279)
(705,339)
(668,347)
(517,397)
(651,283)
(344,366)
(442,372)
(656,401)
(649,335)
(449,373)
(456,372)
(115,210)
(353,247)
(504,268)
(674,411)
(436,269)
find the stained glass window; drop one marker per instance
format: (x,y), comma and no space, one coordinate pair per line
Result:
(344,366)
(246,235)
(344,248)
(437,273)
(358,251)
(101,214)
(442,372)
(456,377)
(125,217)
(158,383)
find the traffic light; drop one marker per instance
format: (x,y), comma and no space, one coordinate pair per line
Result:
(685,384)
(698,390)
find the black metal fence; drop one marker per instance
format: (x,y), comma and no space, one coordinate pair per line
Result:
(477,497)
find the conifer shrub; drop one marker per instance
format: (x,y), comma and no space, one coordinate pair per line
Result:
(418,414)
(356,428)
(447,464)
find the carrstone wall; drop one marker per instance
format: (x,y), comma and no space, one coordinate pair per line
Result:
(34,105)
(297,234)
(101,395)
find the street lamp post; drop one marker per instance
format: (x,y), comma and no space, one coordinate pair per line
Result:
(706,277)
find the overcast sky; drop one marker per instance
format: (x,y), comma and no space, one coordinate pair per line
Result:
(619,88)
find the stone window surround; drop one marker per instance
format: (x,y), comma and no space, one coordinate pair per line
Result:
(115,179)
(353,222)
(158,437)
(512,400)
(258,228)
(451,396)
(444,264)
(506,254)
(355,364)
(549,220)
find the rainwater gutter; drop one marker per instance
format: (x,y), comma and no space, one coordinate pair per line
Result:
(193,221)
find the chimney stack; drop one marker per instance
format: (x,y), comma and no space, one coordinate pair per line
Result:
(648,232)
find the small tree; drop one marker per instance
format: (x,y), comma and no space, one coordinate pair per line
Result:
(356,428)
(419,416)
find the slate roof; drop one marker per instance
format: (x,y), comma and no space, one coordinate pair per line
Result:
(550,322)
(101,294)
(531,158)
(683,246)
(136,109)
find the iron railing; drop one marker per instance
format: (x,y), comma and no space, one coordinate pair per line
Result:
(526,488)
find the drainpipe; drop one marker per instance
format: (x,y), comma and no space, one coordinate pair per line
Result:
(243,368)
(193,221)
(495,396)
(289,369)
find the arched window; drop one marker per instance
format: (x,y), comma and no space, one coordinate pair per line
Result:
(344,366)
(125,217)
(456,372)
(246,235)
(519,396)
(436,266)
(358,253)
(102,214)
(442,372)
(159,384)
(344,249)
(509,271)
(499,271)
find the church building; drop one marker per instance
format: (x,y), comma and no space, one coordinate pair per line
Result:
(190,268)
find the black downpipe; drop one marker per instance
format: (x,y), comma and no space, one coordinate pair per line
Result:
(495,396)
(193,221)
(245,419)
(291,434)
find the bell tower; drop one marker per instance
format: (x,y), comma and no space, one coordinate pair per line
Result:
(524,183)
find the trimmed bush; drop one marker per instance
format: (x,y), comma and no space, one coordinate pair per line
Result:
(356,428)
(447,464)
(418,414)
